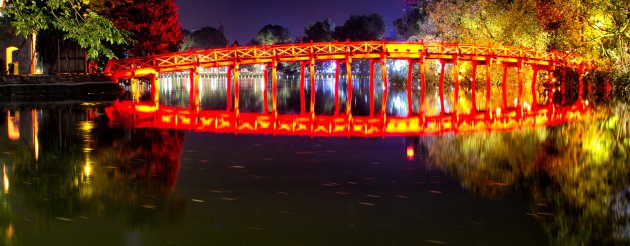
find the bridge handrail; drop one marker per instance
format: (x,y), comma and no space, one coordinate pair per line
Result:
(326,50)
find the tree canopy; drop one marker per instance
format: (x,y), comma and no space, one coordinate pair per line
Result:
(596,29)
(205,38)
(154,24)
(76,19)
(319,31)
(360,28)
(270,34)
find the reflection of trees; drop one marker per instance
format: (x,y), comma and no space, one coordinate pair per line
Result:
(576,173)
(95,173)
(142,166)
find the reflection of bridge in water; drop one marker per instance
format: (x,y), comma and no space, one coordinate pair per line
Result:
(130,114)
(235,89)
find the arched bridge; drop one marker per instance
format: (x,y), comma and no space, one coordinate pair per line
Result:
(475,60)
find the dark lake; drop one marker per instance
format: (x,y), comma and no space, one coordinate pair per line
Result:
(73,174)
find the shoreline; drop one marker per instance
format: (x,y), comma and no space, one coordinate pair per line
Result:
(57,88)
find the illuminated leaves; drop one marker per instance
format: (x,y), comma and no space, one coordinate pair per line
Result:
(154,25)
(72,17)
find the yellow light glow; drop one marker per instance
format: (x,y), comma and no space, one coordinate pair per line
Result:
(411,153)
(5,179)
(35,133)
(498,111)
(87,170)
(13,125)
(9,233)
(86,126)
(9,54)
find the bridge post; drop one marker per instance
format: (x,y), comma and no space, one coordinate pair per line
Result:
(155,88)
(534,81)
(409,88)
(274,81)
(563,86)
(194,89)
(473,85)
(371,87)
(589,89)
(553,87)
(488,85)
(504,85)
(581,85)
(229,88)
(302,96)
(423,89)
(236,88)
(441,86)
(312,75)
(384,75)
(349,79)
(519,67)
(336,87)
(265,90)
(456,80)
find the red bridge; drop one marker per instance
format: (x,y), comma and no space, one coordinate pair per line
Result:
(477,57)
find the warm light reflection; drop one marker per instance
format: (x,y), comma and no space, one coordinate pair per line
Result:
(5,179)
(87,170)
(35,129)
(13,125)
(411,152)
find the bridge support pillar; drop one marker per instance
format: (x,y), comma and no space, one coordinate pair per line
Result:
(504,86)
(423,86)
(274,81)
(336,87)
(441,86)
(563,86)
(456,80)
(302,93)
(553,88)
(236,89)
(581,85)
(155,88)
(349,79)
(488,85)
(473,87)
(519,100)
(534,91)
(385,90)
(265,90)
(371,87)
(312,75)
(194,89)
(409,88)
(229,89)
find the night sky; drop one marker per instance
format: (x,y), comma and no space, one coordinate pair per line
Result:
(241,19)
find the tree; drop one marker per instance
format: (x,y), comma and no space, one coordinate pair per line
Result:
(319,31)
(484,21)
(408,26)
(75,19)
(271,34)
(209,37)
(153,23)
(360,28)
